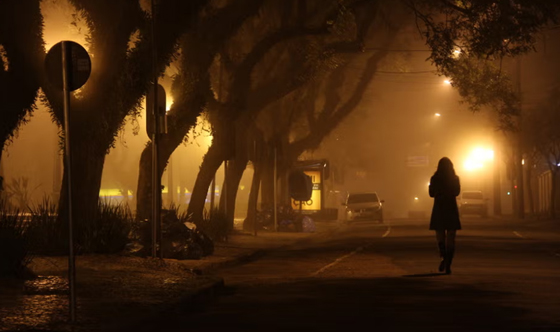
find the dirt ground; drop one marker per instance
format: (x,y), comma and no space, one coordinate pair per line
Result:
(111,290)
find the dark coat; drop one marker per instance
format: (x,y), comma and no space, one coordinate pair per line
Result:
(445,214)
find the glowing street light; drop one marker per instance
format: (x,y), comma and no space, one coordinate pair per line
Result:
(447,82)
(437,114)
(477,159)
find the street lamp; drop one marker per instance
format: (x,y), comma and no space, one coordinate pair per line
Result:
(477,158)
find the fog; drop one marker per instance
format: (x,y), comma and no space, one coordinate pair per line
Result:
(406,122)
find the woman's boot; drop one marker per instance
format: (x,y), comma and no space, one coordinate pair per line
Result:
(449,260)
(441,246)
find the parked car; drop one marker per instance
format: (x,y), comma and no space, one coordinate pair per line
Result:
(364,206)
(473,202)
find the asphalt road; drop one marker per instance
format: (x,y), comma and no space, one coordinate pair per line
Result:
(383,277)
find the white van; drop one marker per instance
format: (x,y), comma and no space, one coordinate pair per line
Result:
(365,206)
(473,202)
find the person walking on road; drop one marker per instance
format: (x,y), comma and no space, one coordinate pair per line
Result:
(444,187)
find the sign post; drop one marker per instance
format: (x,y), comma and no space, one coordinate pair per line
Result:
(68,68)
(156,101)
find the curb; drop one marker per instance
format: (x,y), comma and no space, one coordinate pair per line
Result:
(245,258)
(258,253)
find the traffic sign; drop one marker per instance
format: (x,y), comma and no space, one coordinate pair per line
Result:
(162,103)
(79,65)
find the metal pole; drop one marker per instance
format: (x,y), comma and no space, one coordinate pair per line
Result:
(274,189)
(224,189)
(212,194)
(71,256)
(497,183)
(156,185)
(255,174)
(519,158)
(170,184)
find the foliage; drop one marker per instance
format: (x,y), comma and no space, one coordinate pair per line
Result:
(107,231)
(469,39)
(48,233)
(14,243)
(18,190)
(178,240)
(214,223)
(21,61)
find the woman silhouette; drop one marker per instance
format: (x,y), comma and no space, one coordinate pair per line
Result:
(445,187)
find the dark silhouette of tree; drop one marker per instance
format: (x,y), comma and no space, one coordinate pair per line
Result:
(192,86)
(541,125)
(245,93)
(21,60)
(119,79)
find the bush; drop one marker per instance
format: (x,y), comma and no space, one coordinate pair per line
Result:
(14,245)
(48,233)
(179,241)
(214,224)
(107,231)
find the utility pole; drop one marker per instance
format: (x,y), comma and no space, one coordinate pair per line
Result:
(497,182)
(156,179)
(275,197)
(519,155)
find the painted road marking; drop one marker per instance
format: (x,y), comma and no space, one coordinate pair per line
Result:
(338,260)
(387,232)
(518,235)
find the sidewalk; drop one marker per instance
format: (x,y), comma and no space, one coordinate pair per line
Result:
(531,222)
(114,290)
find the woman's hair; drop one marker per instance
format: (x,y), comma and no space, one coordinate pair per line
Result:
(445,168)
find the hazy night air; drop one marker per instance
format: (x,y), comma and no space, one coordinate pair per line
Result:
(296,145)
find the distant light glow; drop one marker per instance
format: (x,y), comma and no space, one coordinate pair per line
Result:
(448,82)
(477,158)
(437,114)
(508,193)
(168,103)
(415,198)
(522,161)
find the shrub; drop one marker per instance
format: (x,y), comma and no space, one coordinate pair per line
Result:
(215,224)
(14,245)
(179,241)
(48,233)
(107,231)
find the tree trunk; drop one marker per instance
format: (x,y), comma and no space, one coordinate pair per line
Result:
(167,145)
(235,171)
(212,161)
(144,192)
(250,220)
(267,174)
(529,185)
(87,168)
(284,198)
(553,195)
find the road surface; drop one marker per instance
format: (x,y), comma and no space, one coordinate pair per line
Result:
(383,277)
